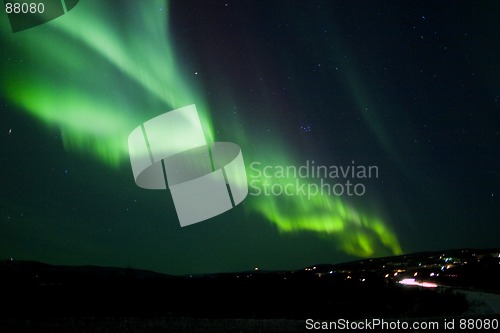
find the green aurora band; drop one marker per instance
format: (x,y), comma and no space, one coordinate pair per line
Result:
(327,215)
(81,73)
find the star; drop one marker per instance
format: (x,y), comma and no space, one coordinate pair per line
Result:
(305,128)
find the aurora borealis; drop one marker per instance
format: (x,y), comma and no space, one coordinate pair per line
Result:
(91,122)
(410,88)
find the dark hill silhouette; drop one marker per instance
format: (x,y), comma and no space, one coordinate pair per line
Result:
(369,288)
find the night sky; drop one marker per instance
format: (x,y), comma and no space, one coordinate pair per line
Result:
(411,87)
